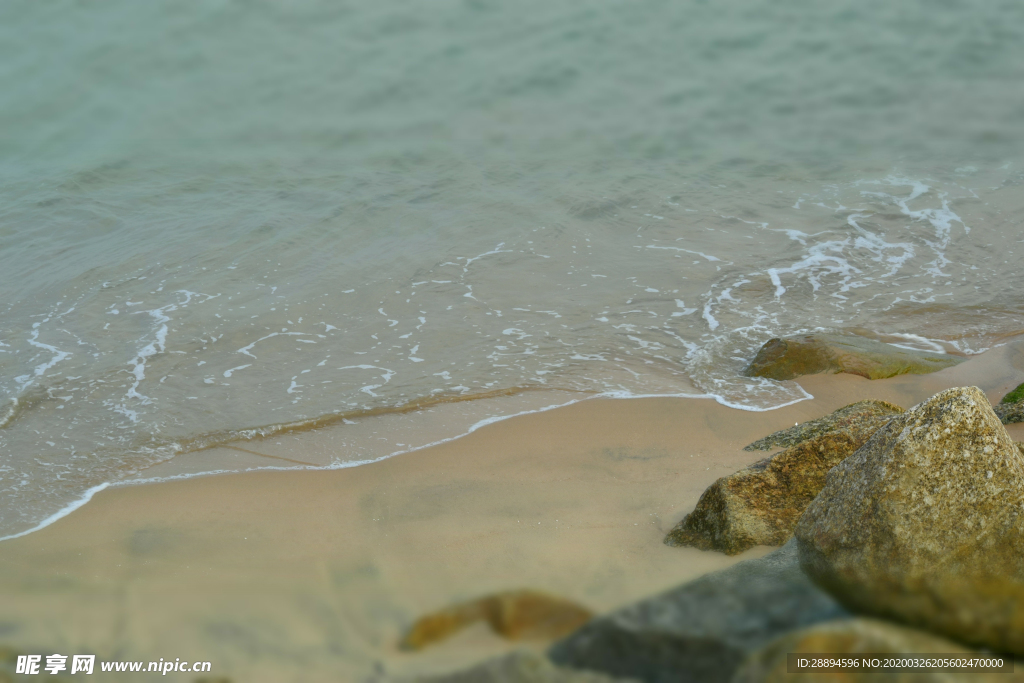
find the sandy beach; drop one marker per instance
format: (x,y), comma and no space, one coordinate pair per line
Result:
(314,575)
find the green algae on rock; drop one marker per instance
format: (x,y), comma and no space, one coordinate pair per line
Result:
(844,417)
(858,636)
(1015,396)
(925,522)
(761,504)
(810,354)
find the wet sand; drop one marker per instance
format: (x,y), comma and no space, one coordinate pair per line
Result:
(310,576)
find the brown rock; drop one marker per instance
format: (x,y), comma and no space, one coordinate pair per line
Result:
(760,505)
(811,354)
(844,417)
(925,524)
(516,615)
(854,637)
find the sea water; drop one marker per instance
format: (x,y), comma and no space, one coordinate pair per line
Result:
(221,220)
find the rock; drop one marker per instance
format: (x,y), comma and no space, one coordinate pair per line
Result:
(924,524)
(701,631)
(1014,396)
(520,667)
(847,416)
(760,505)
(853,637)
(1011,408)
(516,615)
(1009,413)
(813,353)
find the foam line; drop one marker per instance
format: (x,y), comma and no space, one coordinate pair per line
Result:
(67,510)
(64,512)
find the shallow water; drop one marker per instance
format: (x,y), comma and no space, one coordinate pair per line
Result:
(241,218)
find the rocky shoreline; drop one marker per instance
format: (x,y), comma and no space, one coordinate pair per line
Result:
(900,533)
(760,505)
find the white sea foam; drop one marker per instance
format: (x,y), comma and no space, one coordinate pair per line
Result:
(11,413)
(33,340)
(228,373)
(248,348)
(821,259)
(63,512)
(688,251)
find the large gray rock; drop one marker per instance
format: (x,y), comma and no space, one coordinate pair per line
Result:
(701,631)
(925,524)
(519,667)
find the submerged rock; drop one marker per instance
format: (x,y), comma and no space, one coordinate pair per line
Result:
(760,505)
(847,416)
(1011,408)
(853,637)
(925,524)
(811,354)
(516,615)
(521,667)
(701,631)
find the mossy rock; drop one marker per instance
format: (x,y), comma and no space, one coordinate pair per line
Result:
(1015,396)
(792,357)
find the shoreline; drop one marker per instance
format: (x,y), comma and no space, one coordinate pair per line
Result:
(313,575)
(299,466)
